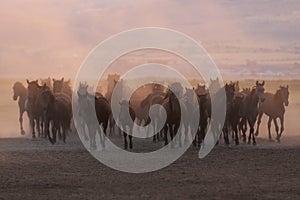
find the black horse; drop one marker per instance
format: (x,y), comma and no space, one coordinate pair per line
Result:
(58,110)
(250,110)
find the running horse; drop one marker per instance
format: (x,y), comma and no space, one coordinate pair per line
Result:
(273,106)
(250,110)
(34,107)
(20,92)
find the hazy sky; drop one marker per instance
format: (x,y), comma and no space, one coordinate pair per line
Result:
(52,37)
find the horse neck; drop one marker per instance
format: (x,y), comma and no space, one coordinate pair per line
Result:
(23,94)
(254,98)
(277,97)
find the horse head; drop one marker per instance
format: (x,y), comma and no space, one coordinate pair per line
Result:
(57,85)
(229,89)
(33,89)
(201,89)
(284,93)
(214,85)
(260,90)
(17,90)
(82,90)
(47,98)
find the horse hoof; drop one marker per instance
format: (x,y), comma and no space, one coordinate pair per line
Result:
(249,142)
(23,132)
(254,143)
(256,134)
(237,143)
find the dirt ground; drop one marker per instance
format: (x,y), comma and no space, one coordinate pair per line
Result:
(38,170)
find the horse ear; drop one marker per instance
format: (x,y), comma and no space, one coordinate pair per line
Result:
(53,79)
(36,81)
(263,83)
(27,81)
(287,86)
(62,79)
(256,83)
(217,79)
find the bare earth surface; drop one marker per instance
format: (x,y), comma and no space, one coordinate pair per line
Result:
(38,170)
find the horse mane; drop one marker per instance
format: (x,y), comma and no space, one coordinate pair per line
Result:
(277,95)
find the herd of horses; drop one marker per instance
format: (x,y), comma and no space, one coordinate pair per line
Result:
(48,104)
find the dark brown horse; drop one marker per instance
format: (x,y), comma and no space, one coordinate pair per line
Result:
(87,104)
(125,122)
(250,110)
(235,117)
(204,107)
(172,108)
(46,81)
(58,111)
(34,108)
(273,106)
(153,99)
(62,86)
(20,92)
(229,117)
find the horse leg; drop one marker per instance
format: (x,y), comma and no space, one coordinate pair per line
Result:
(91,133)
(38,126)
(276,129)
(125,140)
(64,134)
(130,141)
(197,138)
(105,125)
(42,127)
(225,133)
(235,132)
(171,135)
(166,134)
(155,136)
(250,133)
(251,124)
(281,128)
(156,129)
(21,123)
(82,126)
(253,137)
(258,123)
(47,131)
(179,132)
(32,124)
(269,128)
(55,128)
(243,126)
